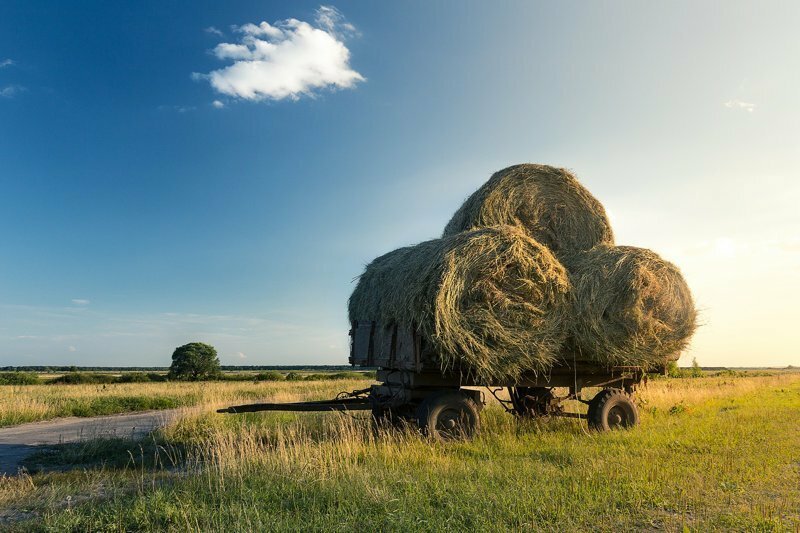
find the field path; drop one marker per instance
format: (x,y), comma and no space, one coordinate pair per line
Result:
(17,442)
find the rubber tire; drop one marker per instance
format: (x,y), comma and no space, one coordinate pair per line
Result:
(445,407)
(610,403)
(517,395)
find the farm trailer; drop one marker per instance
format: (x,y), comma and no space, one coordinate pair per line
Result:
(413,388)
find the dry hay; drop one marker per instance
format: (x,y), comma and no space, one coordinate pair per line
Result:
(631,307)
(492,301)
(547,202)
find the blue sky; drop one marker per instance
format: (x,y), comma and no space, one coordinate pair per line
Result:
(146,202)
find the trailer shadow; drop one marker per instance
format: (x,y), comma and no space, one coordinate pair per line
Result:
(100,453)
(13,456)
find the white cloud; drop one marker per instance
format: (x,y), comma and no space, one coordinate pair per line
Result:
(331,20)
(240,355)
(217,104)
(10,91)
(80,301)
(265,29)
(6,63)
(287,59)
(212,30)
(738,104)
(72,349)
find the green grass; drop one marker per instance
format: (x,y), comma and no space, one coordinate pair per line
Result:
(87,406)
(19,378)
(715,454)
(93,394)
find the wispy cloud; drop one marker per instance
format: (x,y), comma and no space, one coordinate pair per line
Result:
(739,104)
(287,59)
(10,91)
(332,21)
(150,338)
(241,355)
(212,30)
(72,349)
(7,63)
(217,104)
(177,108)
(80,301)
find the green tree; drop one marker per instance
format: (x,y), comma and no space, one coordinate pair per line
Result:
(673,370)
(696,371)
(194,361)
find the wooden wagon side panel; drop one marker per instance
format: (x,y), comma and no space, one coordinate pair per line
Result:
(362,348)
(409,352)
(383,342)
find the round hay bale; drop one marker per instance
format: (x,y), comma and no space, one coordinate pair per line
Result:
(493,302)
(547,202)
(631,307)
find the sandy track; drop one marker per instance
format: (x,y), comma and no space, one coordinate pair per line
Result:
(17,442)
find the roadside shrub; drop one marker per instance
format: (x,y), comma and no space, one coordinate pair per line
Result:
(270,375)
(85,378)
(141,377)
(674,371)
(19,378)
(728,373)
(345,375)
(121,404)
(134,377)
(695,371)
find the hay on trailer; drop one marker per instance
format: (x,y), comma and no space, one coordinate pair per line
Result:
(547,202)
(493,302)
(630,307)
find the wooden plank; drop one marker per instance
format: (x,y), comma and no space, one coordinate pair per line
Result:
(383,339)
(362,344)
(405,356)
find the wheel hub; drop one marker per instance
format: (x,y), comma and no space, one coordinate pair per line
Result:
(448,420)
(615,417)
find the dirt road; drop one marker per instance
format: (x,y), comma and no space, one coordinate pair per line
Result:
(17,442)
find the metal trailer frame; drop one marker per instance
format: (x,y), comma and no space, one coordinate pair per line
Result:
(413,388)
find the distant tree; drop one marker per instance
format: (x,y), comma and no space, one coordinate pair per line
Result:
(194,361)
(696,371)
(673,370)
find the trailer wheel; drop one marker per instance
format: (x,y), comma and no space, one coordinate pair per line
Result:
(448,415)
(531,402)
(612,409)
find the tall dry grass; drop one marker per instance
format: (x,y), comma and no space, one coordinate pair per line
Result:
(29,403)
(726,459)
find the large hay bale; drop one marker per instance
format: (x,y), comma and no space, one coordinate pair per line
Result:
(631,307)
(493,302)
(547,202)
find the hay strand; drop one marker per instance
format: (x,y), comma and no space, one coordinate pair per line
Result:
(547,202)
(492,301)
(630,307)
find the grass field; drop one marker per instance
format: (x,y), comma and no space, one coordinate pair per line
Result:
(31,403)
(711,453)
